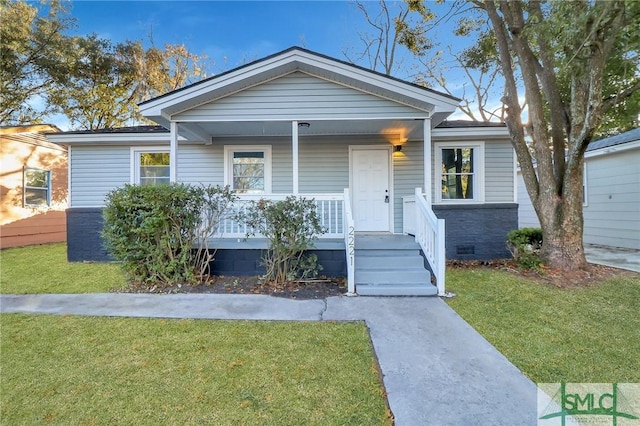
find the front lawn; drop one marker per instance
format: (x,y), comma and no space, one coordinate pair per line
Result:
(579,334)
(86,370)
(44,269)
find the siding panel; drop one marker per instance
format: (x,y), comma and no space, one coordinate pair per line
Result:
(612,213)
(96,171)
(498,172)
(298,95)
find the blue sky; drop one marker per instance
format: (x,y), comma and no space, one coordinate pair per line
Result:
(235,30)
(231,33)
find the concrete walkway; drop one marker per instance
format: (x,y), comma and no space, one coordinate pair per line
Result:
(616,257)
(437,369)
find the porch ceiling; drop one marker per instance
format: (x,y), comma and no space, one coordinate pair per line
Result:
(411,129)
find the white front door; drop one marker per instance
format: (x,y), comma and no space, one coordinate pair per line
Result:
(370,188)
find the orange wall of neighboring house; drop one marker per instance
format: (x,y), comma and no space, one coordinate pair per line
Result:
(26,147)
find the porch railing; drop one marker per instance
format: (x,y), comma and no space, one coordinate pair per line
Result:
(330,209)
(349,242)
(430,236)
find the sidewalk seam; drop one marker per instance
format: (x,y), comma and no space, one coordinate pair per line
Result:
(324,309)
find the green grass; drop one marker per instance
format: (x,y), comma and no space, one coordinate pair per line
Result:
(86,370)
(44,269)
(587,334)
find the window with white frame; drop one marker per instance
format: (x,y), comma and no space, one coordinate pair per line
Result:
(248,169)
(150,166)
(461,172)
(37,187)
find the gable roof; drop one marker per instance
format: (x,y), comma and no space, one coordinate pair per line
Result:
(435,104)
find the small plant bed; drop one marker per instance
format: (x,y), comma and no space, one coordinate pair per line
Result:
(593,275)
(319,288)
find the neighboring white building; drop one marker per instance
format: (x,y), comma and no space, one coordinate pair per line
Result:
(612,193)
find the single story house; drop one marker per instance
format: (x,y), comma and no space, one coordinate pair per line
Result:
(611,205)
(375,152)
(33,187)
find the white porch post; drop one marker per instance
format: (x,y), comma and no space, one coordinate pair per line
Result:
(294,154)
(173,152)
(428,172)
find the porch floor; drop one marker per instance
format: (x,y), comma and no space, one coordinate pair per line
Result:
(263,244)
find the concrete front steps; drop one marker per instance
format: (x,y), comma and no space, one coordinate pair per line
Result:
(390,265)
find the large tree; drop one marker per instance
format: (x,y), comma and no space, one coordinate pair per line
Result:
(389,27)
(97,89)
(577,61)
(30,45)
(94,82)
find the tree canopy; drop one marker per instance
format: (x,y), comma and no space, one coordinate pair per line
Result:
(577,62)
(94,82)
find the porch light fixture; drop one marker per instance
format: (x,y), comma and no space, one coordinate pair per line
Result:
(305,125)
(397,148)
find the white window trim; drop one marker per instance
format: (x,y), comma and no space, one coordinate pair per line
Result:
(134,157)
(25,187)
(228,161)
(478,175)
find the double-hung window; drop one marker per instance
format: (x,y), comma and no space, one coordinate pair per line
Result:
(150,166)
(460,169)
(248,169)
(37,187)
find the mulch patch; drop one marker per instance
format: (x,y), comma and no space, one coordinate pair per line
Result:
(310,289)
(592,275)
(327,287)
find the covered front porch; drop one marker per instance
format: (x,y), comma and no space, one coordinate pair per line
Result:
(375,263)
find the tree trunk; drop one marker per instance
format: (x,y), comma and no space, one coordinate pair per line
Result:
(562,223)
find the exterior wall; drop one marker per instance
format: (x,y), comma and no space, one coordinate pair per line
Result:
(612,193)
(477,232)
(408,175)
(499,158)
(612,210)
(96,170)
(298,95)
(237,262)
(21,225)
(527,217)
(84,242)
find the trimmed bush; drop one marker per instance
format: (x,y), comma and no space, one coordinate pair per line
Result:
(153,229)
(524,245)
(291,226)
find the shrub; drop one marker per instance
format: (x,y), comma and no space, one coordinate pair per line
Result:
(524,245)
(291,226)
(153,229)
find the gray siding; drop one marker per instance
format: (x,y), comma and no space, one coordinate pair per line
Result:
(408,174)
(200,164)
(95,171)
(323,164)
(612,213)
(498,172)
(527,217)
(297,96)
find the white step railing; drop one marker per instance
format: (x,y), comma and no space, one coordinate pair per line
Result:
(430,236)
(330,211)
(350,243)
